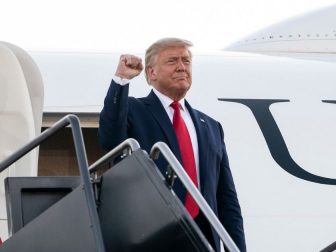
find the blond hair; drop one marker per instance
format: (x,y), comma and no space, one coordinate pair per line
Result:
(162,44)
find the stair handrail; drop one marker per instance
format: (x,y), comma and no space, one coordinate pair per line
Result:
(77,136)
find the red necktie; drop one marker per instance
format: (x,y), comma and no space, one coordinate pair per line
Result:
(188,158)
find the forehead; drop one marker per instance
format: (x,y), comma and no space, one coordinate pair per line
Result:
(180,51)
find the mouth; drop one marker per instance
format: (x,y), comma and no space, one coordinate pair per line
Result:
(181,77)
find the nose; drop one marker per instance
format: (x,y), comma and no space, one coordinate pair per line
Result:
(181,66)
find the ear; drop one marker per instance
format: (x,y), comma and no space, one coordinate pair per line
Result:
(151,73)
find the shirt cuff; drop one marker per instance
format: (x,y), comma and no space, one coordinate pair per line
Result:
(120,81)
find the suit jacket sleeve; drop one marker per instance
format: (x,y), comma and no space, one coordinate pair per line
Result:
(113,118)
(229,211)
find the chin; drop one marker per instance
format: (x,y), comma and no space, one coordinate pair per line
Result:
(183,84)
(182,91)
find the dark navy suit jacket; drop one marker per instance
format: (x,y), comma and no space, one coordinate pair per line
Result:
(146,120)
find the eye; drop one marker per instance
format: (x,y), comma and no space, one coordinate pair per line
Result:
(171,61)
(186,61)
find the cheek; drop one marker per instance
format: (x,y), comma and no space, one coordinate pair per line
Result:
(190,75)
(189,71)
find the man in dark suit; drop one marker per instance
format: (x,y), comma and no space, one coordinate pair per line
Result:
(168,69)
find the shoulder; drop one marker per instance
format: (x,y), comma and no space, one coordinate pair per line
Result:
(206,117)
(137,106)
(211,122)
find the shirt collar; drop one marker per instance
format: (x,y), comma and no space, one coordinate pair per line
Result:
(166,101)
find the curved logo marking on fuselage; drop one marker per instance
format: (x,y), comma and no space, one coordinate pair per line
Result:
(274,139)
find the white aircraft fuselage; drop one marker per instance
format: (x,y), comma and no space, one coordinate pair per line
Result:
(276,100)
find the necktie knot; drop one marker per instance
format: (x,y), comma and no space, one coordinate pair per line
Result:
(175,105)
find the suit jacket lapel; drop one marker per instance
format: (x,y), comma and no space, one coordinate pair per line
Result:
(160,115)
(202,139)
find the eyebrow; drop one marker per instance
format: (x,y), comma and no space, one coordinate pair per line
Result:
(176,57)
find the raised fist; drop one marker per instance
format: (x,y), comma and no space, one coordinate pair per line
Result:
(129,66)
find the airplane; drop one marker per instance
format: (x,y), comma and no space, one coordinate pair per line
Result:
(274,94)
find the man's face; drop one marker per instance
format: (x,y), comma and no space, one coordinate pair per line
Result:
(170,72)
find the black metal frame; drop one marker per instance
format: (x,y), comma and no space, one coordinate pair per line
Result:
(77,136)
(124,149)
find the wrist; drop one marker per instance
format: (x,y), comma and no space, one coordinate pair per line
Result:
(121,75)
(119,80)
